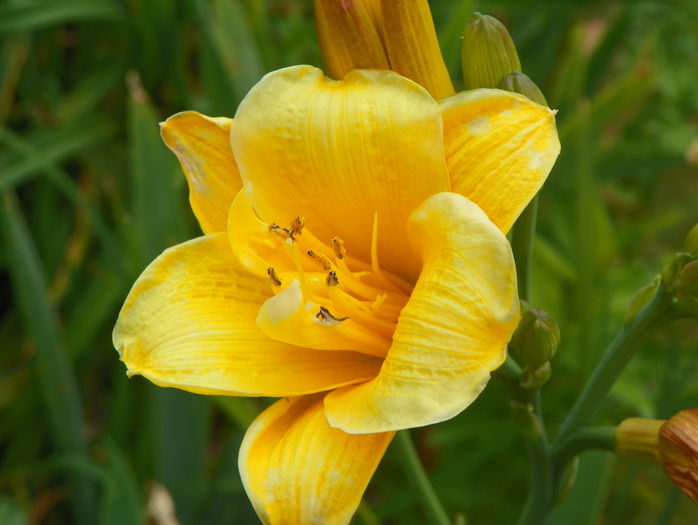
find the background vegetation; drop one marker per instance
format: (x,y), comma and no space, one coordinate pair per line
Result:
(89,195)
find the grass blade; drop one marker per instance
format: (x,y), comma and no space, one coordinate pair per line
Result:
(53,369)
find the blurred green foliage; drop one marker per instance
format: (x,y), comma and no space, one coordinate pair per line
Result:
(90,195)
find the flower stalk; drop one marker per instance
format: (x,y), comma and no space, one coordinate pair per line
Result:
(620,352)
(415,471)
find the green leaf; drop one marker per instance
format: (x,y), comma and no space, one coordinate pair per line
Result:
(37,15)
(53,369)
(49,148)
(121,501)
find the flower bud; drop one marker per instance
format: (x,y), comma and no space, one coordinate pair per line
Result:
(637,439)
(690,244)
(536,378)
(488,53)
(525,419)
(521,83)
(680,278)
(678,451)
(536,339)
(412,46)
(641,297)
(349,35)
(687,288)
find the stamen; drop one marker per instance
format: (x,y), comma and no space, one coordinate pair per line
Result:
(284,233)
(332,279)
(293,253)
(380,299)
(325,261)
(339,250)
(361,314)
(274,278)
(297,225)
(325,316)
(376,267)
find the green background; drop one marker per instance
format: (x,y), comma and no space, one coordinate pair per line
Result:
(90,195)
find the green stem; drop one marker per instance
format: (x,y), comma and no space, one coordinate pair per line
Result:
(415,471)
(522,246)
(584,438)
(622,349)
(541,494)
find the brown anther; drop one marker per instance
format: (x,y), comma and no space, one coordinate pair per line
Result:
(297,225)
(274,278)
(332,279)
(325,315)
(326,263)
(338,245)
(284,233)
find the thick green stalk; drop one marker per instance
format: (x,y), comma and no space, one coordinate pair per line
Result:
(622,349)
(584,438)
(415,471)
(540,495)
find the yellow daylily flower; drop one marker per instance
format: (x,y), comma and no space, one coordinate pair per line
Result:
(362,274)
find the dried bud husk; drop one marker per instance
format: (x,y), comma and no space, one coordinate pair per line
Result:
(637,439)
(412,46)
(678,451)
(520,83)
(488,53)
(349,34)
(536,339)
(690,244)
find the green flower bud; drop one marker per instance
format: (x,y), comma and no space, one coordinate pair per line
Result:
(641,298)
(488,53)
(671,271)
(690,244)
(525,419)
(687,289)
(536,339)
(536,378)
(521,83)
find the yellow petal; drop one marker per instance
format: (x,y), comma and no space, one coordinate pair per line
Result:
(500,147)
(297,470)
(202,145)
(337,152)
(413,48)
(453,331)
(349,37)
(189,322)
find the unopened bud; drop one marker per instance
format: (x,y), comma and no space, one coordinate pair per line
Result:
(413,47)
(671,271)
(678,451)
(641,297)
(690,244)
(349,36)
(536,378)
(536,339)
(525,419)
(488,53)
(637,439)
(521,83)
(687,288)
